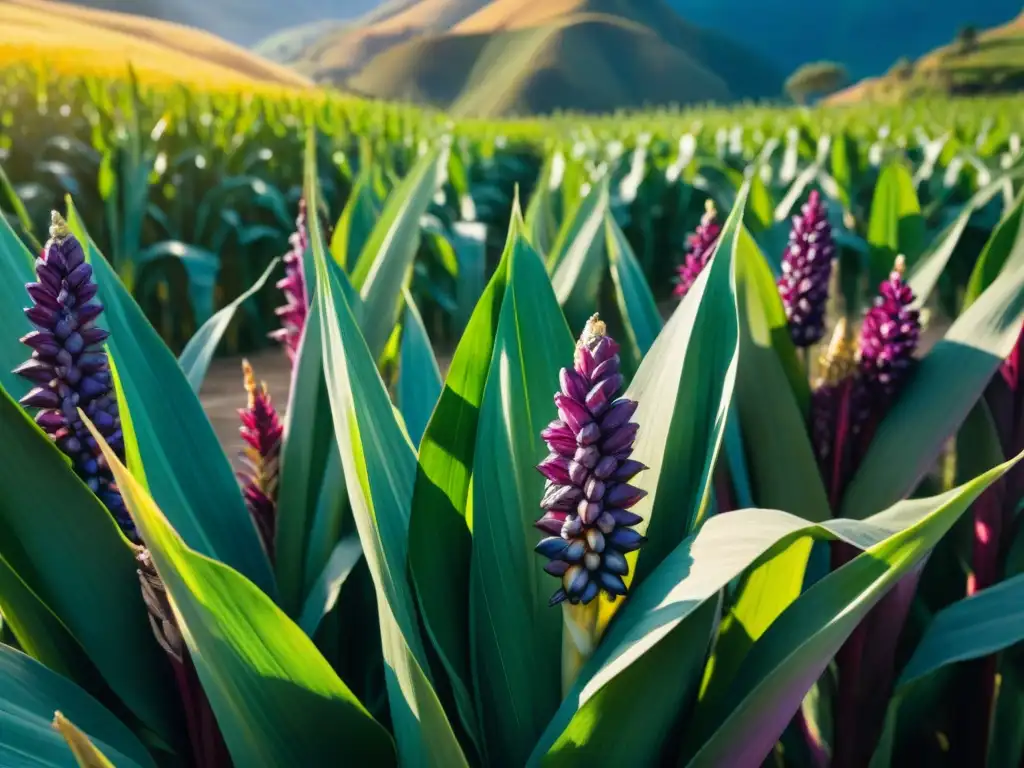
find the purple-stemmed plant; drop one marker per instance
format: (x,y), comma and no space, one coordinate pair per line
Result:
(262,432)
(700,246)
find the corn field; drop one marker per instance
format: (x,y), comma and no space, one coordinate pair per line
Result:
(722,472)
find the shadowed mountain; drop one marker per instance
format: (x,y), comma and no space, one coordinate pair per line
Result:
(536,56)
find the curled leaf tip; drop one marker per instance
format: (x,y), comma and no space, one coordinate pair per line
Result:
(58,227)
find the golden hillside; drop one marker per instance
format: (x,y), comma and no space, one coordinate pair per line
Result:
(102,42)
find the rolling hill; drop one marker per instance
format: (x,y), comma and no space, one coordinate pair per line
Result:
(865,35)
(507,57)
(993,64)
(90,40)
(244,22)
(337,56)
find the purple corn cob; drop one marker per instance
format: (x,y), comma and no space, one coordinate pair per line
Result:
(587,496)
(699,248)
(69,366)
(888,340)
(806,271)
(261,430)
(293,285)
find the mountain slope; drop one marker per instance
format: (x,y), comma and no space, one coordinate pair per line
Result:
(99,41)
(865,35)
(537,56)
(241,21)
(994,64)
(336,56)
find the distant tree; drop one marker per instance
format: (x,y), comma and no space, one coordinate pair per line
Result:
(903,69)
(967,39)
(819,78)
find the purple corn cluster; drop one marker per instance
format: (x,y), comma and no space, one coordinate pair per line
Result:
(261,431)
(294,311)
(69,365)
(699,248)
(855,393)
(587,496)
(806,271)
(888,339)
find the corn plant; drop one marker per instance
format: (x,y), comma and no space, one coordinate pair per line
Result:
(159,611)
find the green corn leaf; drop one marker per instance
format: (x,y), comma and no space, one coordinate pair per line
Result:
(15,271)
(780,460)
(649,653)
(682,413)
(312,495)
(760,211)
(515,636)
(419,378)
(440,525)
(578,265)
(357,221)
(32,697)
(542,222)
(92,591)
(195,359)
(201,265)
(895,225)
(930,407)
(38,631)
(977,626)
(1004,240)
(306,457)
(87,754)
(469,239)
(843,167)
(20,212)
(380,469)
(788,659)
(578,240)
(324,593)
(386,258)
(641,318)
(185,467)
(926,271)
(255,665)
